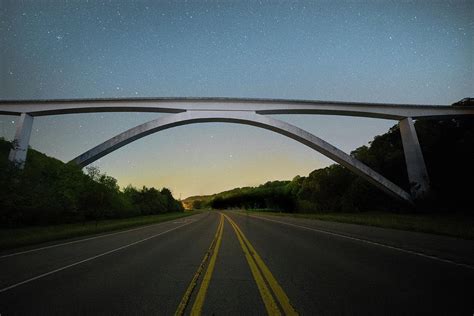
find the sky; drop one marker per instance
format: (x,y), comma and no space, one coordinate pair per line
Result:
(414,52)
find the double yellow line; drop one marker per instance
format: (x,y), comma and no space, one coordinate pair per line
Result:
(261,273)
(274,298)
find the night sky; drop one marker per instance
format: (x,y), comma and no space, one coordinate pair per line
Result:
(383,51)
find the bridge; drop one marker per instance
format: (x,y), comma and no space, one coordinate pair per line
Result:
(252,112)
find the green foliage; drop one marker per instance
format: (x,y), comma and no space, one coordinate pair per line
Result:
(48,191)
(151,201)
(197,205)
(448,148)
(274,195)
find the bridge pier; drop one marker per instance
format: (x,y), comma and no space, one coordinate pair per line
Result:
(416,168)
(21,140)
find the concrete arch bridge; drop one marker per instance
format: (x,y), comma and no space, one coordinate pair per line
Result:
(252,112)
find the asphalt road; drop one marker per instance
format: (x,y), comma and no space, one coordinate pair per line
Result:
(242,265)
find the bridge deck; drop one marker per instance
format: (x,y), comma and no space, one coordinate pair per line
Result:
(261,106)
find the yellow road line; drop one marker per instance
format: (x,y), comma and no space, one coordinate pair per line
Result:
(201,295)
(187,295)
(276,288)
(270,304)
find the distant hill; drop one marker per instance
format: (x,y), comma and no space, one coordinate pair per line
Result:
(248,197)
(188,202)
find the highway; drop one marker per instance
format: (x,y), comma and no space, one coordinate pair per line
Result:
(233,263)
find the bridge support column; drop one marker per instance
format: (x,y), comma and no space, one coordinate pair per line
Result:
(21,141)
(416,168)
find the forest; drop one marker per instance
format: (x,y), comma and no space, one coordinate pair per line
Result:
(48,191)
(448,149)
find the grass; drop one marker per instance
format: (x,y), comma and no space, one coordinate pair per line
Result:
(455,225)
(12,238)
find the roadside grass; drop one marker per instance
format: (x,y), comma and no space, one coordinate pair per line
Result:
(455,225)
(25,236)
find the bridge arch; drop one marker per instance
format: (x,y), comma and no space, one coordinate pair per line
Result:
(246,118)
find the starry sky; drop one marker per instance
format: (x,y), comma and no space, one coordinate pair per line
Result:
(418,52)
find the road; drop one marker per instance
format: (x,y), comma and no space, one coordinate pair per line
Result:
(236,264)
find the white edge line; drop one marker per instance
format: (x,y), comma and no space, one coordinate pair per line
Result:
(88,259)
(80,240)
(369,242)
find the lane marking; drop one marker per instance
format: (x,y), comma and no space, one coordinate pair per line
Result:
(464,265)
(201,295)
(86,260)
(80,240)
(187,295)
(269,302)
(278,291)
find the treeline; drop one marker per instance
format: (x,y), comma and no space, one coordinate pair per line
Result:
(49,191)
(271,195)
(448,148)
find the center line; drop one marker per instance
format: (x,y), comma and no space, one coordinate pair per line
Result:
(212,252)
(254,261)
